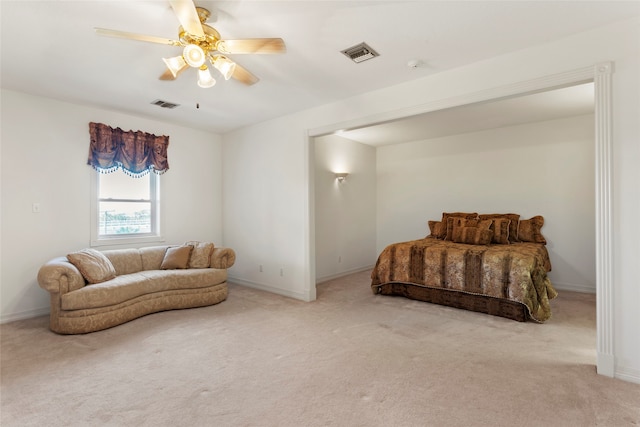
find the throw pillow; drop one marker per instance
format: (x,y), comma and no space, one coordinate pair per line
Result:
(200,255)
(500,227)
(513,226)
(176,257)
(453,222)
(529,230)
(94,266)
(435,228)
(458,221)
(472,235)
(447,215)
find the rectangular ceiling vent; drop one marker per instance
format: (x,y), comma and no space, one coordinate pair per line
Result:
(164,104)
(360,52)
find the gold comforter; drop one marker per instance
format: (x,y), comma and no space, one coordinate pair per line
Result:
(516,272)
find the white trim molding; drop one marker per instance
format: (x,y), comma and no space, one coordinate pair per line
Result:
(306,295)
(604,219)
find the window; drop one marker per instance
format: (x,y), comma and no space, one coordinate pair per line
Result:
(126,209)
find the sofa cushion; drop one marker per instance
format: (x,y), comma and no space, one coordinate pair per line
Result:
(176,257)
(94,266)
(129,286)
(152,257)
(125,261)
(200,255)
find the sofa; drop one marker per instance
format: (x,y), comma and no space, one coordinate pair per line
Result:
(92,290)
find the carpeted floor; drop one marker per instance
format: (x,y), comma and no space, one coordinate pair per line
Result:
(350,358)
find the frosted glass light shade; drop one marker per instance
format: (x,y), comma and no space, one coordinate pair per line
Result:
(205,79)
(193,55)
(175,65)
(225,66)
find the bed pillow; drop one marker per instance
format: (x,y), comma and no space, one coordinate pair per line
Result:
(453,222)
(529,230)
(472,235)
(435,229)
(176,257)
(513,226)
(94,266)
(457,221)
(500,227)
(200,255)
(447,215)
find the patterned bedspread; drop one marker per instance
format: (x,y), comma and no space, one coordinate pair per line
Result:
(517,272)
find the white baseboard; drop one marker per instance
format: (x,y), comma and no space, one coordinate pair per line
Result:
(585,289)
(28,314)
(628,374)
(268,288)
(342,274)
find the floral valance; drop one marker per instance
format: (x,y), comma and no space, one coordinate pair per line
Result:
(136,153)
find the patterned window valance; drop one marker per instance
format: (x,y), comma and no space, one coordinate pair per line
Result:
(137,153)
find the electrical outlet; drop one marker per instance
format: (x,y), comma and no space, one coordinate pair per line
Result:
(339,259)
(281,271)
(260,268)
(35,208)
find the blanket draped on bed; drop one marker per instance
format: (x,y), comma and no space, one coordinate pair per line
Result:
(516,272)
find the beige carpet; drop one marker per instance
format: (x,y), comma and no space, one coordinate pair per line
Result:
(348,359)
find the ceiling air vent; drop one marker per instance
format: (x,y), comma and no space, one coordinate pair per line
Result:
(164,104)
(360,52)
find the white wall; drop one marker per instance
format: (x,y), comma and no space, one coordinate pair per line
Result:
(545,168)
(267,173)
(345,212)
(45,144)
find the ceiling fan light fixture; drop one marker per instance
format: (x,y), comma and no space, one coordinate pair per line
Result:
(225,66)
(205,79)
(193,55)
(175,65)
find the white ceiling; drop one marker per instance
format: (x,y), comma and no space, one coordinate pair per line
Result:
(49,48)
(537,107)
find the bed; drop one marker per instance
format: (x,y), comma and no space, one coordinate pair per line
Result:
(495,264)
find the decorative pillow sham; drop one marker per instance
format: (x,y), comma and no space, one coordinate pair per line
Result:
(453,222)
(513,226)
(176,257)
(201,254)
(456,221)
(472,235)
(435,229)
(447,215)
(94,266)
(529,230)
(500,227)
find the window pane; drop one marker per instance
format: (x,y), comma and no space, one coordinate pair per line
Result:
(124,218)
(119,185)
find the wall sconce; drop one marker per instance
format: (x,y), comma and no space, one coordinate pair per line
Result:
(341,177)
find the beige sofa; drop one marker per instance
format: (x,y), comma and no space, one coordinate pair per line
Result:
(93,290)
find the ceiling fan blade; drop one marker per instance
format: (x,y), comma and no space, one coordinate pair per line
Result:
(244,76)
(186,13)
(252,46)
(167,75)
(134,36)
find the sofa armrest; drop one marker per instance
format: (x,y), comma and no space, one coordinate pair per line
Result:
(222,258)
(60,276)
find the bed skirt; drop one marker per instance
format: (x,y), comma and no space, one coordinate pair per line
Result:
(474,302)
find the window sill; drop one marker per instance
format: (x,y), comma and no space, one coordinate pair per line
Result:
(128,240)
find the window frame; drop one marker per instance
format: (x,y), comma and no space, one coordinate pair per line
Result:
(154,236)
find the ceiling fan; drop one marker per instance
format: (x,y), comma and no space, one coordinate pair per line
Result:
(201,42)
